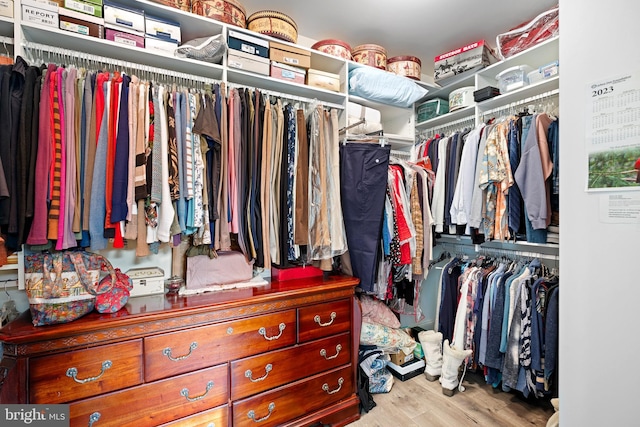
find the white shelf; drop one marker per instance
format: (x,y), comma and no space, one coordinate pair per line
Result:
(548,86)
(101,47)
(438,121)
(461,80)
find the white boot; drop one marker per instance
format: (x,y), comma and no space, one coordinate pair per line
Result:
(452,358)
(431,342)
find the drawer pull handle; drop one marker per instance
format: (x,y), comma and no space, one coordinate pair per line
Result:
(323,353)
(73,372)
(167,352)
(262,331)
(319,322)
(93,418)
(267,369)
(325,386)
(185,392)
(251,414)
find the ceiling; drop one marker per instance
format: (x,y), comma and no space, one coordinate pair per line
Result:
(422,28)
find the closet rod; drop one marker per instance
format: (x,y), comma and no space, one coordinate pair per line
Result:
(288,96)
(82,56)
(525,101)
(500,251)
(469,119)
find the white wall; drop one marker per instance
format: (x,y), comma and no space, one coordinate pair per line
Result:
(600,289)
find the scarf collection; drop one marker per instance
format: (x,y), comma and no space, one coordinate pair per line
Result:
(104,157)
(506,312)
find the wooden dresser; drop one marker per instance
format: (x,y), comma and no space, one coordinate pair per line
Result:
(283,354)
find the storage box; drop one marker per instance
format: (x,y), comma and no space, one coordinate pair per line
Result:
(432,108)
(465,59)
(115,34)
(545,72)
(146,281)
(40,12)
(288,73)
(124,16)
(251,45)
(88,7)
(161,44)
(289,55)
(461,98)
(248,62)
(159,27)
(400,358)
(305,272)
(323,80)
(485,93)
(408,370)
(81,23)
(513,78)
(6,8)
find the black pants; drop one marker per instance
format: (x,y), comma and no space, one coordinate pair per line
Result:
(363,184)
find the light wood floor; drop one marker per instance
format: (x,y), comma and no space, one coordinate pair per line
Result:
(420,403)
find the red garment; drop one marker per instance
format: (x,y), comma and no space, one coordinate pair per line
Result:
(404,233)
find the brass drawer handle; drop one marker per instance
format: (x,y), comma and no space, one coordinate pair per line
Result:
(319,322)
(167,352)
(73,372)
(185,392)
(323,353)
(262,331)
(251,414)
(93,418)
(325,386)
(267,369)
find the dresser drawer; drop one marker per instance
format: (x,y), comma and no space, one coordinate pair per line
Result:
(218,417)
(322,320)
(155,403)
(184,351)
(274,407)
(78,374)
(256,374)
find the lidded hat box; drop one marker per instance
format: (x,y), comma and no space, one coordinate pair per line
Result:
(228,11)
(274,24)
(461,98)
(407,66)
(370,54)
(334,47)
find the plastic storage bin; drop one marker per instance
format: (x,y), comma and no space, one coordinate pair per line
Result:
(545,72)
(513,78)
(432,108)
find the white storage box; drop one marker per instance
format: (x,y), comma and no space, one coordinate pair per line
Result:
(545,72)
(461,98)
(40,12)
(6,8)
(513,78)
(162,28)
(161,44)
(146,281)
(124,17)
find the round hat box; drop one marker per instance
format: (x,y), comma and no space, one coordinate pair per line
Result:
(461,98)
(370,54)
(407,66)
(274,24)
(229,11)
(334,47)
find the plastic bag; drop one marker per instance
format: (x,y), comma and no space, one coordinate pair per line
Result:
(208,49)
(528,34)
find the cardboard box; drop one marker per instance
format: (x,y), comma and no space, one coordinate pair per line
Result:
(288,73)
(323,80)
(400,358)
(6,8)
(289,55)
(251,45)
(146,281)
(81,23)
(248,62)
(124,16)
(161,44)
(163,28)
(465,59)
(40,12)
(88,7)
(116,34)
(408,370)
